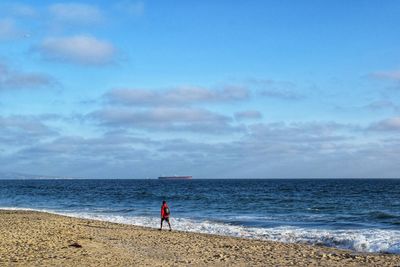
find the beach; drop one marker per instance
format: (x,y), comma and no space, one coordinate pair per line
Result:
(30,238)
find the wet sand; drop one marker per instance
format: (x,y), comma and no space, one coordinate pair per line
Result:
(41,239)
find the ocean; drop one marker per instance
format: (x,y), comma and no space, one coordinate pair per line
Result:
(358,214)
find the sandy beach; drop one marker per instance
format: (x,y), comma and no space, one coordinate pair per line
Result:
(34,238)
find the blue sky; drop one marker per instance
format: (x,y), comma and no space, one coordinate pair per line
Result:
(262,89)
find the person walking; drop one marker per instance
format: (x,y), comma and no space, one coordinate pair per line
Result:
(165,212)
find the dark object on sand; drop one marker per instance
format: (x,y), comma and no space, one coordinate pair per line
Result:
(75,245)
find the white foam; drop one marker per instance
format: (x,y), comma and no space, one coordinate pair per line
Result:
(362,240)
(26,209)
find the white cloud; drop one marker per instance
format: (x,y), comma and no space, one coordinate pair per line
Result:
(13,79)
(176,96)
(174,109)
(76,13)
(158,115)
(165,119)
(80,49)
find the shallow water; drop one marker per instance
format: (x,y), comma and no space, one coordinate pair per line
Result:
(363,215)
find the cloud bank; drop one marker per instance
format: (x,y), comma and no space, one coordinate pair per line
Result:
(312,150)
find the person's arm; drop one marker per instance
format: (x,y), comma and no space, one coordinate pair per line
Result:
(162,211)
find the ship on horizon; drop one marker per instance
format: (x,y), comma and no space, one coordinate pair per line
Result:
(175,177)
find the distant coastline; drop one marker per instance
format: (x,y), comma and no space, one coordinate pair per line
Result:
(25,176)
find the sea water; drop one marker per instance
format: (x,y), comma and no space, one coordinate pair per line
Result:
(358,214)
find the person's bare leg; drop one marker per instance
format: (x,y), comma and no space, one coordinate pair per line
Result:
(161,224)
(169,225)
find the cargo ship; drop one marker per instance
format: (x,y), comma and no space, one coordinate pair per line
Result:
(187,177)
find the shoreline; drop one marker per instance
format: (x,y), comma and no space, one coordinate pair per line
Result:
(195,229)
(33,237)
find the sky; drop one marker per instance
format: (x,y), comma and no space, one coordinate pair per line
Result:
(212,89)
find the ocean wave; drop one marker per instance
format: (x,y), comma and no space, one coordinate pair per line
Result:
(383,215)
(361,240)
